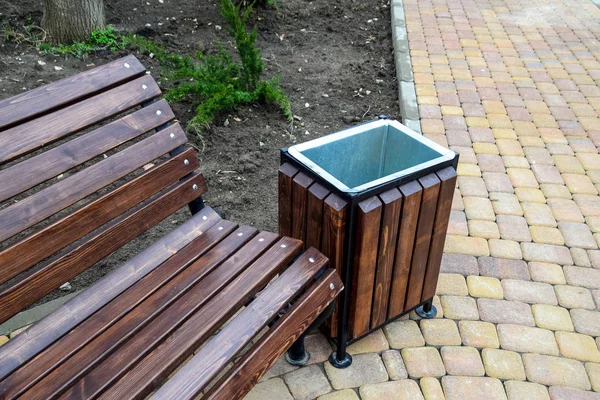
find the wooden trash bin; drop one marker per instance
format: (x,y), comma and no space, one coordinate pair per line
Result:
(376,200)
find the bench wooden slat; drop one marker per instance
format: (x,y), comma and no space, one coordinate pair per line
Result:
(447,178)
(334,233)
(431,189)
(155,356)
(390,219)
(48,97)
(47,330)
(314,221)
(34,248)
(66,192)
(365,260)
(286,177)
(109,315)
(411,193)
(206,364)
(44,166)
(300,186)
(162,308)
(28,289)
(253,365)
(34,134)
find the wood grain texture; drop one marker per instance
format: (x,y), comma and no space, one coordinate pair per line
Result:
(37,337)
(48,97)
(34,248)
(36,133)
(206,364)
(285,191)
(149,353)
(164,281)
(66,192)
(409,217)
(368,219)
(55,161)
(159,309)
(32,287)
(334,233)
(388,236)
(300,185)
(254,364)
(447,177)
(314,210)
(431,189)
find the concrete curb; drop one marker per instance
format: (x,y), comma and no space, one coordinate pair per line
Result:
(407,94)
(34,314)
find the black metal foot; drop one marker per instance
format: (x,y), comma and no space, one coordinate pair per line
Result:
(301,361)
(340,364)
(426,312)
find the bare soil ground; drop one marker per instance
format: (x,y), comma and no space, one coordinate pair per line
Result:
(334,59)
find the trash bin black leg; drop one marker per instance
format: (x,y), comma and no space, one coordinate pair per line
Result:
(297,353)
(427,310)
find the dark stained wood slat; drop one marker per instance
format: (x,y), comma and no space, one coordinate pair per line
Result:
(447,178)
(40,168)
(206,364)
(409,217)
(34,134)
(254,364)
(49,329)
(29,289)
(155,354)
(109,315)
(37,246)
(300,184)
(334,233)
(368,217)
(431,189)
(66,192)
(154,310)
(47,97)
(286,177)
(390,220)
(314,221)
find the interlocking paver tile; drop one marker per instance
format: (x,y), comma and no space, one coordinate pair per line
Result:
(401,390)
(577,346)
(503,268)
(566,393)
(547,273)
(579,184)
(584,277)
(549,370)
(513,228)
(440,332)
(472,187)
(530,195)
(503,364)
(505,249)
(521,177)
(546,253)
(528,292)
(431,388)
(483,286)
(525,339)
(466,245)
(478,334)
(460,307)
(552,191)
(365,369)
(376,342)
(270,389)
(423,361)
(394,364)
(586,321)
(593,371)
(346,394)
(543,234)
(464,361)
(552,317)
(402,334)
(505,203)
(503,311)
(471,388)
(565,210)
(517,390)
(580,257)
(483,229)
(574,297)
(307,383)
(588,204)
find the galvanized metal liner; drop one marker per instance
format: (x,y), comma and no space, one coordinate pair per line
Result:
(372,154)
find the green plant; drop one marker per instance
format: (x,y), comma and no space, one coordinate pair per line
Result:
(103,39)
(215,83)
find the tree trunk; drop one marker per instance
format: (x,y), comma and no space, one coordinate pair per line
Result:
(68,21)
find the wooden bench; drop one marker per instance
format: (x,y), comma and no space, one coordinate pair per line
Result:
(88,164)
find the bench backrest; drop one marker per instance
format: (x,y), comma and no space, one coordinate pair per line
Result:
(87,164)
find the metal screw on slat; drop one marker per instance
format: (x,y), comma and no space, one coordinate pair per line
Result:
(312,260)
(126,65)
(220,228)
(240,234)
(331,286)
(261,239)
(186,162)
(283,246)
(144,87)
(204,218)
(172,135)
(195,187)
(158,112)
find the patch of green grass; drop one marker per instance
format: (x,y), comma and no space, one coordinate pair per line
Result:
(103,39)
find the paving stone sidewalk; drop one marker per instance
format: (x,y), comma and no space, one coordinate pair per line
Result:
(512,85)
